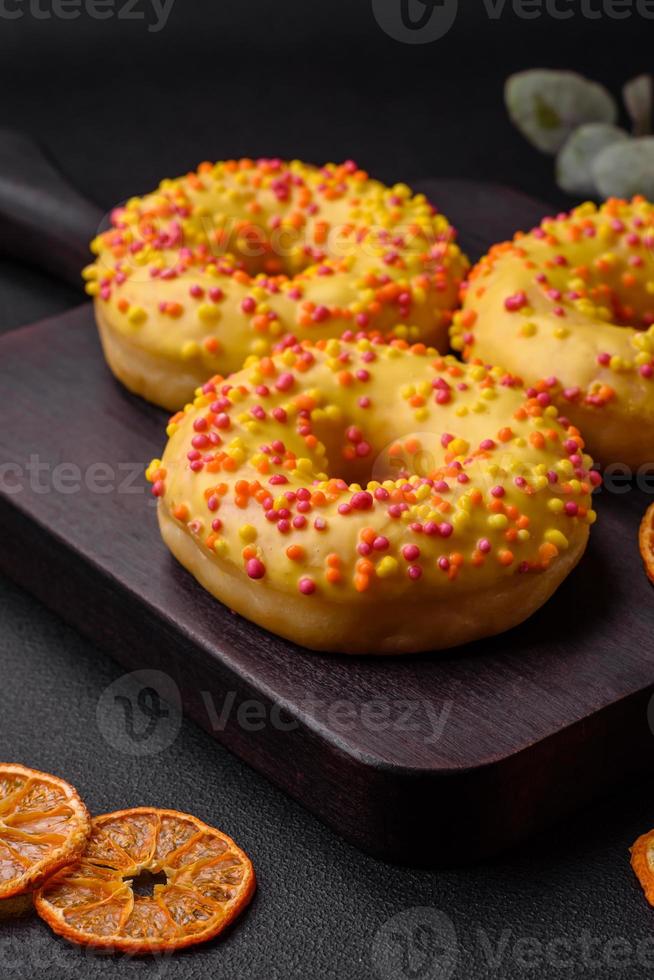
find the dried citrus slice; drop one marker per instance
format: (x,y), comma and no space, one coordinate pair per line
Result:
(205,881)
(646,541)
(43,827)
(642,861)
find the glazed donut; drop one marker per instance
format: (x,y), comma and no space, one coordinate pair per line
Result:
(374,498)
(224,262)
(573,302)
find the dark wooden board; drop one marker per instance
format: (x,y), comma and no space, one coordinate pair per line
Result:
(534,723)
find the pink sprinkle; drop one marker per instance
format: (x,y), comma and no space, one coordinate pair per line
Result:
(410,552)
(285,381)
(515,302)
(498,491)
(248,305)
(255,568)
(306,586)
(362,500)
(158,488)
(484,546)
(414,572)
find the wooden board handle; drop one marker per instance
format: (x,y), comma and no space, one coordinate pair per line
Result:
(43,220)
(485,213)
(46,222)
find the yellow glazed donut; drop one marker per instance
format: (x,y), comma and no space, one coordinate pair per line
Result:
(222,263)
(371,498)
(572,302)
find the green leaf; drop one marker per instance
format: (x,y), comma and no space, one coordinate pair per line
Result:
(627,168)
(637,95)
(576,157)
(547,105)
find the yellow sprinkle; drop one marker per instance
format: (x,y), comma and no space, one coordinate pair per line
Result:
(387,566)
(136,315)
(152,468)
(498,521)
(208,312)
(190,350)
(247,533)
(555,537)
(556,505)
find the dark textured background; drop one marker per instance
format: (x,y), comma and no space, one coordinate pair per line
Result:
(120,107)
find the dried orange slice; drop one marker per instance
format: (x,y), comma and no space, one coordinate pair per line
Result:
(43,827)
(205,882)
(646,541)
(642,861)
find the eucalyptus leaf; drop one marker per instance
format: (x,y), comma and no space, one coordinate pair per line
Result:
(637,95)
(547,105)
(626,168)
(576,157)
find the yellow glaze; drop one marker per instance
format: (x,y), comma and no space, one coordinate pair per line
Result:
(572,303)
(228,260)
(372,498)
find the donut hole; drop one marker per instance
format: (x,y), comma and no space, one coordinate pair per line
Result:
(257,250)
(355,456)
